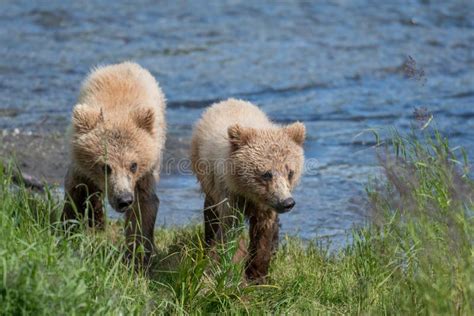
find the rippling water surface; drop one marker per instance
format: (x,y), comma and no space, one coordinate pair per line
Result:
(337,67)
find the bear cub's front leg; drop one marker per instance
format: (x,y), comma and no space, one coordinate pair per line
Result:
(263,244)
(140,222)
(83,199)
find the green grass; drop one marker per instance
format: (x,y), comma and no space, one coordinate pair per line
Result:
(416,257)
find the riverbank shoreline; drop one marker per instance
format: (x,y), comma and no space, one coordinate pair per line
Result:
(41,155)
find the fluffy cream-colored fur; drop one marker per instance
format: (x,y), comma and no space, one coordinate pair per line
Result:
(117,138)
(244,161)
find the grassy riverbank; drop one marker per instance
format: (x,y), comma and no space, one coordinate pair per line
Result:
(415,257)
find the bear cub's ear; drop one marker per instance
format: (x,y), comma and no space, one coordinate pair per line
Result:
(145,119)
(297,132)
(239,136)
(85,118)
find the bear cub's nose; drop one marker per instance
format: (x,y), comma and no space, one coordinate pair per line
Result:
(125,200)
(287,205)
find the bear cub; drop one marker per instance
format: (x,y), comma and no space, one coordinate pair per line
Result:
(116,141)
(245,162)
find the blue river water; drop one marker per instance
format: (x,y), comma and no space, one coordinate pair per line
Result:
(341,67)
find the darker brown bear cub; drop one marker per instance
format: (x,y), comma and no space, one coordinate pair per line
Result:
(118,133)
(245,162)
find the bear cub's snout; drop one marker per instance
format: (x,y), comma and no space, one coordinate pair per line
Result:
(124,201)
(286,205)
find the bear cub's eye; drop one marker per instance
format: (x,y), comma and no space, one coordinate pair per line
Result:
(107,169)
(267,176)
(291,174)
(133,167)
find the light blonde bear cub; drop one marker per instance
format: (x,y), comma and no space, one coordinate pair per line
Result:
(118,134)
(244,161)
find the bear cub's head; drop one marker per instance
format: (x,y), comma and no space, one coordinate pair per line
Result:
(267,163)
(114,152)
